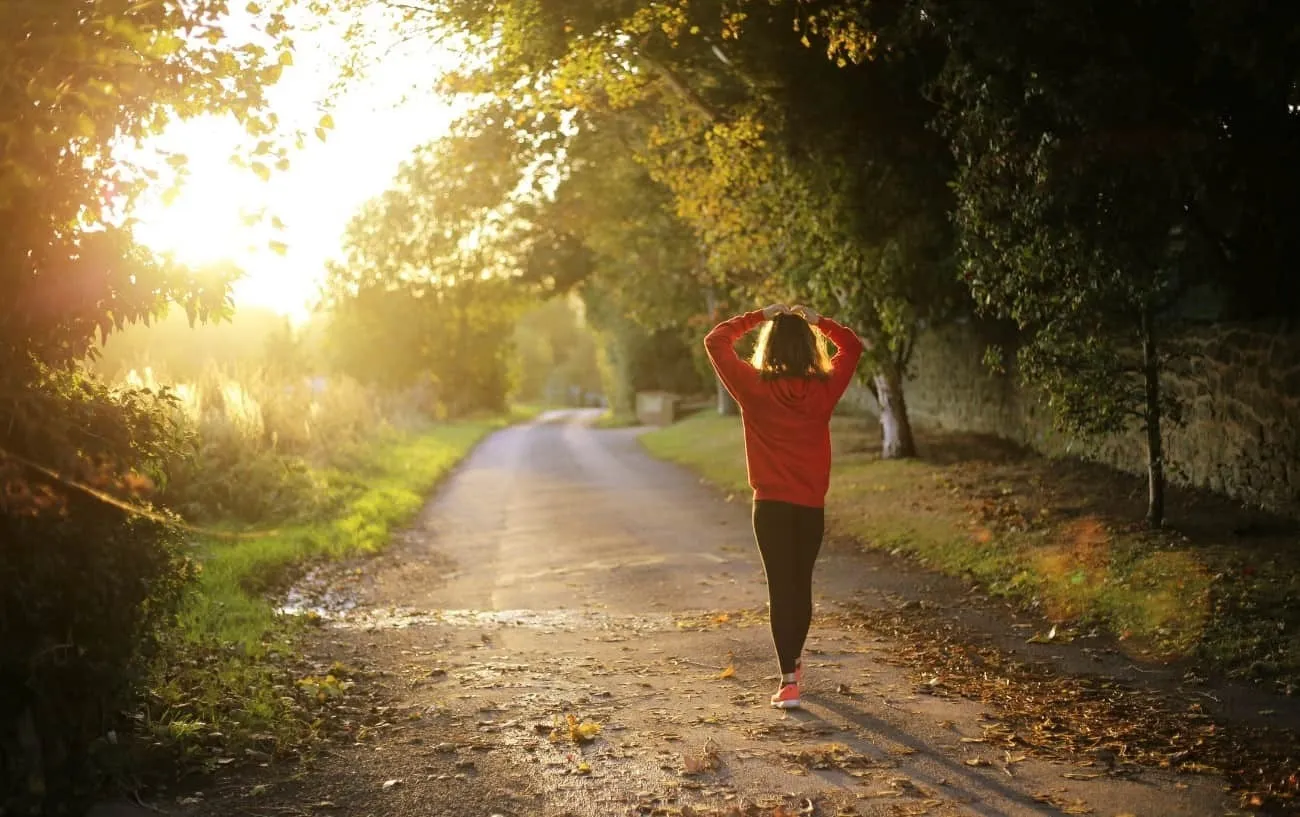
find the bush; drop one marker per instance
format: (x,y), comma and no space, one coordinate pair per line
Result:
(252,445)
(86,594)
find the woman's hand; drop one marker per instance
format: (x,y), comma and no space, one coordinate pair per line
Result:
(770,312)
(807,313)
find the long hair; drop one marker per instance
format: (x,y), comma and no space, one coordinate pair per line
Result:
(788,347)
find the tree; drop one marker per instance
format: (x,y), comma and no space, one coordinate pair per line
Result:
(642,282)
(423,297)
(778,159)
(87,587)
(1095,188)
(78,80)
(556,352)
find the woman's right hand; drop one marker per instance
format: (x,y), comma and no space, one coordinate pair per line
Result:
(770,312)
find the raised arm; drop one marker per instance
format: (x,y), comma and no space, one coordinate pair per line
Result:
(736,375)
(848,351)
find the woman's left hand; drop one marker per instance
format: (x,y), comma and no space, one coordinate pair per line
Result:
(770,312)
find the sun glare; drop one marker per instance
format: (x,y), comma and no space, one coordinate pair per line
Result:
(281,232)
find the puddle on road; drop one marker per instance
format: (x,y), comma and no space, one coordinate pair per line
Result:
(320,597)
(332,599)
(353,618)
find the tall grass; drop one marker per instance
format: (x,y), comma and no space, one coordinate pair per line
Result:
(299,470)
(258,445)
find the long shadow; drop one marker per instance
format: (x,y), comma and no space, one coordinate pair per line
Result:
(957,778)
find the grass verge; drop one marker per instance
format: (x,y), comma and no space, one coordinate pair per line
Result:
(231,684)
(612,419)
(1059,536)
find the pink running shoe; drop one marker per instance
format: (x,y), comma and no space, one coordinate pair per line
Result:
(787,697)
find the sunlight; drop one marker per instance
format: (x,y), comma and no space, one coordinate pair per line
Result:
(223,212)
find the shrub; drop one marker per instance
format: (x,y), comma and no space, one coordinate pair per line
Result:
(86,593)
(250,442)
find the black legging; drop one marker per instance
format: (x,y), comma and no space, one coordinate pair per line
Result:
(789,537)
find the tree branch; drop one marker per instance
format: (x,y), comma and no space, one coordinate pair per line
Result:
(679,87)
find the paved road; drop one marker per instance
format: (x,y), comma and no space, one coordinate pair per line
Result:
(561,571)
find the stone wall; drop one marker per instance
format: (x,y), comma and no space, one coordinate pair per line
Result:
(1241,394)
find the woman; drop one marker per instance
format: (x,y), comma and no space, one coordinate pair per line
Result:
(786,395)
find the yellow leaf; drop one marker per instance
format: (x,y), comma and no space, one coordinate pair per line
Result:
(263,172)
(580,731)
(729,672)
(286,58)
(584,768)
(327,122)
(279,247)
(253,8)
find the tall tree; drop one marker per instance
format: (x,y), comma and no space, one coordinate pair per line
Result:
(1096,185)
(642,280)
(80,80)
(778,157)
(422,296)
(84,587)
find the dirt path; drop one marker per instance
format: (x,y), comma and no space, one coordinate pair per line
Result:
(562,572)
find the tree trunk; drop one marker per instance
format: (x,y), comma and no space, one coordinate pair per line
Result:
(1151,419)
(895,426)
(726,404)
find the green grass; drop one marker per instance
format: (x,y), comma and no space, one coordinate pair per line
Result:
(1041,534)
(611,419)
(388,486)
(707,443)
(229,676)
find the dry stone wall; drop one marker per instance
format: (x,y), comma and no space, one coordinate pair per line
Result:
(1240,388)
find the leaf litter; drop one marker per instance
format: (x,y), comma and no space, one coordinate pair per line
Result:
(1091,721)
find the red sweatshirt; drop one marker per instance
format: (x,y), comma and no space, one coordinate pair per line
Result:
(786,419)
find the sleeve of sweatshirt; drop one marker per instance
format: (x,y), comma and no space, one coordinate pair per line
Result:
(848,351)
(737,375)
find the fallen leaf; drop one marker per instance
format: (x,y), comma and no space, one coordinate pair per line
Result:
(388,784)
(729,672)
(575,730)
(583,768)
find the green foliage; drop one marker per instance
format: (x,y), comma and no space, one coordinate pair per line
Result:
(422,297)
(386,482)
(1078,194)
(88,592)
(556,351)
(85,587)
(712,152)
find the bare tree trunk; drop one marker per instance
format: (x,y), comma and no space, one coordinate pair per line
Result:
(1151,419)
(726,403)
(895,426)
